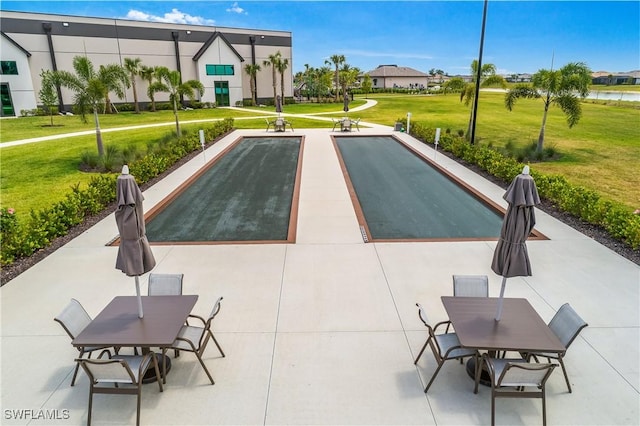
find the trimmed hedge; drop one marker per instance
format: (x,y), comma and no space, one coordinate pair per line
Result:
(583,203)
(22,238)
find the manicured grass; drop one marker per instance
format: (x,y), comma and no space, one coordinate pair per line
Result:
(600,153)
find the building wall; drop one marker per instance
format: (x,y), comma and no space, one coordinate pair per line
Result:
(109,41)
(404,82)
(23,96)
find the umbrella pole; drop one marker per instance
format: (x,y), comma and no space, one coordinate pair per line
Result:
(140,314)
(499,312)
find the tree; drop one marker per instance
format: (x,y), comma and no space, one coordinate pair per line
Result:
(170,82)
(90,88)
(149,74)
(347,76)
(336,60)
(115,79)
(134,68)
(455,84)
(281,66)
(48,93)
(555,88)
(488,77)
(366,85)
(252,71)
(272,62)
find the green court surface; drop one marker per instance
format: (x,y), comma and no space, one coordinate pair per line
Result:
(247,195)
(402,196)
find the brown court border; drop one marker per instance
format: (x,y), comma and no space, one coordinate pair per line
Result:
(293,214)
(535,235)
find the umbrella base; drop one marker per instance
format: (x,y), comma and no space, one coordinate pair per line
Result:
(150,375)
(485,378)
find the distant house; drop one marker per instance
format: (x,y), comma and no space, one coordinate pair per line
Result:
(612,79)
(393,76)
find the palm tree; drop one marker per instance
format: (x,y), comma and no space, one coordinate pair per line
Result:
(272,62)
(556,88)
(170,82)
(488,77)
(149,74)
(115,79)
(366,85)
(347,76)
(336,60)
(90,89)
(252,71)
(282,66)
(134,68)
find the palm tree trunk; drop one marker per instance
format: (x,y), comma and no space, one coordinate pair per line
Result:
(175,113)
(98,133)
(547,102)
(135,94)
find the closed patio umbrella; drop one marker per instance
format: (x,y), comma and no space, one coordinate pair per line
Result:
(510,258)
(345,98)
(134,253)
(278,105)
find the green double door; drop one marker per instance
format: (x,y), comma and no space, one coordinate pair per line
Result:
(222,93)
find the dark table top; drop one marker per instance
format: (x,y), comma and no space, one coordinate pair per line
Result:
(118,323)
(519,329)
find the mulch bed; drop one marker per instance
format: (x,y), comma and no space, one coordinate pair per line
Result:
(595,232)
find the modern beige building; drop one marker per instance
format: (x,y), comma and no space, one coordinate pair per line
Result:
(393,76)
(216,56)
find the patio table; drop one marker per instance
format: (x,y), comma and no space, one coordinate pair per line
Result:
(519,329)
(118,324)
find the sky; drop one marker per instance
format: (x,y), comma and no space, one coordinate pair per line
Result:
(520,36)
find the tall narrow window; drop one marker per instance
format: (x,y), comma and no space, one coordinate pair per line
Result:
(5,99)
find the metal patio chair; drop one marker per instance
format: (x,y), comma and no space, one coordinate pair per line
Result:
(194,339)
(165,284)
(470,286)
(566,324)
(445,346)
(124,372)
(73,320)
(511,377)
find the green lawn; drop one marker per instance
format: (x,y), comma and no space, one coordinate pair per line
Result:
(600,153)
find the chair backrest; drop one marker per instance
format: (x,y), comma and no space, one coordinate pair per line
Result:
(108,371)
(422,314)
(470,286)
(525,374)
(165,284)
(566,324)
(73,318)
(214,311)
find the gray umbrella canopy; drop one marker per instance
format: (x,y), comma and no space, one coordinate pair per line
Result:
(510,258)
(346,102)
(278,104)
(134,253)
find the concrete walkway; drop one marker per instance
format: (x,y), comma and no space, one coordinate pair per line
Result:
(324,331)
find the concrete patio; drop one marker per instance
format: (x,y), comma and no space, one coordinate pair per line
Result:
(324,331)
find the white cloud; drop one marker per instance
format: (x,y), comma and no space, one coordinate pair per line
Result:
(235,8)
(173,17)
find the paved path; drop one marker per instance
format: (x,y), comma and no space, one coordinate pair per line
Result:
(369,103)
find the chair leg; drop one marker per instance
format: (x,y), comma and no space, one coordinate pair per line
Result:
(90,405)
(75,373)
(544,409)
(493,407)
(218,345)
(566,376)
(433,377)
(421,350)
(138,405)
(206,370)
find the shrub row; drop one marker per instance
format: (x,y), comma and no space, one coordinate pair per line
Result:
(583,203)
(22,238)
